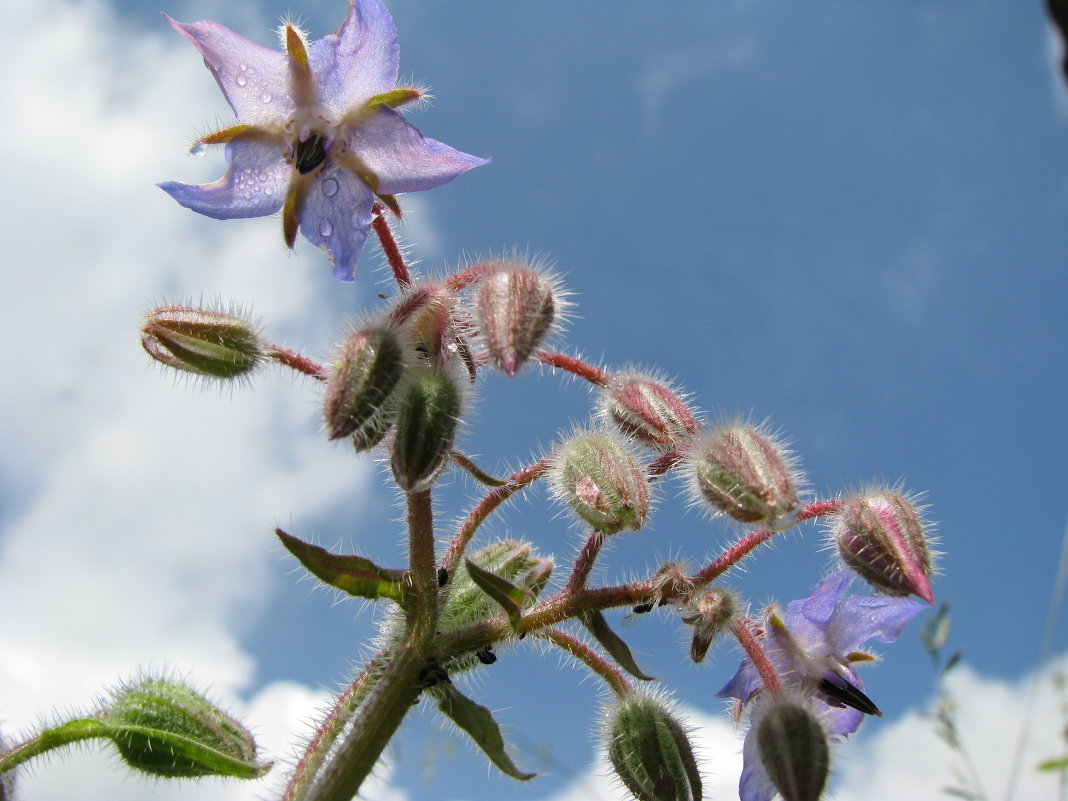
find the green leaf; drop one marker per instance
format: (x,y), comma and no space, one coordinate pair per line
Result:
(1054,765)
(478,722)
(504,592)
(355,575)
(611,642)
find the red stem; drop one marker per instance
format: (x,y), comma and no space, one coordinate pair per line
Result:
(390,246)
(297,361)
(742,628)
(594,375)
(485,507)
(584,564)
(746,544)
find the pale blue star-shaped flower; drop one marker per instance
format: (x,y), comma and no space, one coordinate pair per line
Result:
(317,135)
(813,650)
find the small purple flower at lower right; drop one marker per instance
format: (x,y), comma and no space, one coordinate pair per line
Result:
(813,650)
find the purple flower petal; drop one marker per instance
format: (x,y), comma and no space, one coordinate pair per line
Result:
(254,79)
(335,217)
(860,618)
(254,186)
(360,60)
(403,159)
(755,784)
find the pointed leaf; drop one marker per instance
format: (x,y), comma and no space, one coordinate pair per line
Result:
(611,642)
(355,575)
(478,722)
(1053,765)
(504,592)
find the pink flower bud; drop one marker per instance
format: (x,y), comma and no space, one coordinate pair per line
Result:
(880,536)
(647,410)
(745,473)
(599,479)
(207,343)
(516,307)
(366,371)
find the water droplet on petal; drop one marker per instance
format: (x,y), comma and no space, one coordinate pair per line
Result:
(325,228)
(244,67)
(266,97)
(242,80)
(198,149)
(330,187)
(268,190)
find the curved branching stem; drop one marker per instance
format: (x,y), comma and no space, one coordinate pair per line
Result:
(389,246)
(485,508)
(475,471)
(594,661)
(584,564)
(296,361)
(575,366)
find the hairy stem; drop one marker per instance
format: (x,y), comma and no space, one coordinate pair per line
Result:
(614,678)
(296,361)
(390,246)
(391,697)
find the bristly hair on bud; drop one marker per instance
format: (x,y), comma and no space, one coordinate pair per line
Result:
(208,343)
(596,475)
(746,472)
(647,409)
(649,750)
(518,305)
(365,374)
(882,536)
(792,747)
(429,406)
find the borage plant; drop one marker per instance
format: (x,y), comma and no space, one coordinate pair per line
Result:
(318,138)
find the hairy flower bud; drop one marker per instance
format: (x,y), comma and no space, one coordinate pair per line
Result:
(650,751)
(647,410)
(428,410)
(881,537)
(208,343)
(709,614)
(794,750)
(367,369)
(516,308)
(163,728)
(742,471)
(599,479)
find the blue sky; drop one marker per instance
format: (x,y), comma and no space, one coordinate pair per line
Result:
(848,220)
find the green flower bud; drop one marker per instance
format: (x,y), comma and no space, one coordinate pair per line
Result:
(881,537)
(650,751)
(647,410)
(367,369)
(596,475)
(208,343)
(428,410)
(794,750)
(516,309)
(163,728)
(743,472)
(513,561)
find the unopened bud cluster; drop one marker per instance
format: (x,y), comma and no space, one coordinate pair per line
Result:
(742,471)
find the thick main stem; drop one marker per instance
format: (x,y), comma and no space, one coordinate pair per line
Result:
(399,685)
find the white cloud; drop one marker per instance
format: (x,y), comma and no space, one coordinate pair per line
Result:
(137,514)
